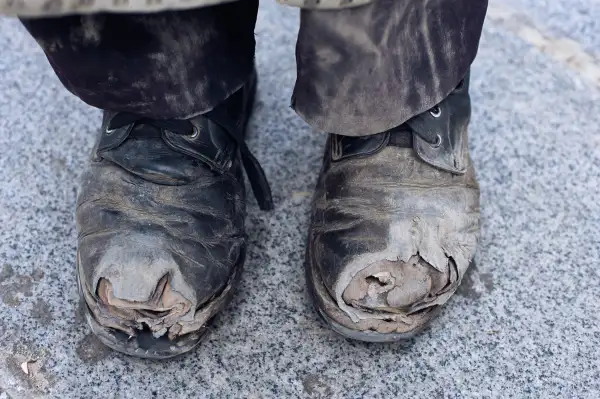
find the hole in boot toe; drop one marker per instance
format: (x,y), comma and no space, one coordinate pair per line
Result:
(375,280)
(146,340)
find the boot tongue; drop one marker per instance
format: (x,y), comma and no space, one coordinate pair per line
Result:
(145,131)
(145,154)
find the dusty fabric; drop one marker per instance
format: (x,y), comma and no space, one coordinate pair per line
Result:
(46,8)
(165,65)
(366,70)
(360,71)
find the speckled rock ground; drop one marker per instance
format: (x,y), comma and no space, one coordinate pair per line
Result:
(525,324)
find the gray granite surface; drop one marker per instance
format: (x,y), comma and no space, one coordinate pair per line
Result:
(576,19)
(525,323)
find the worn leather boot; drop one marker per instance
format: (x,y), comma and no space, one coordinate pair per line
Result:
(395,224)
(160,217)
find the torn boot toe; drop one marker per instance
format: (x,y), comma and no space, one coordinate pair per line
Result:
(395,224)
(160,217)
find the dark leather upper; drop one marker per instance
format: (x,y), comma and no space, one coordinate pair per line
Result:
(405,196)
(156,202)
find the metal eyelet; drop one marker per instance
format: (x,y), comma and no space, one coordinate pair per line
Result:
(436,111)
(195,133)
(108,131)
(438,141)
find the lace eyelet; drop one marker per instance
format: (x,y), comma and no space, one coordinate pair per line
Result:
(438,141)
(195,133)
(436,111)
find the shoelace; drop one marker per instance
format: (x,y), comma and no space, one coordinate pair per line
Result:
(256,175)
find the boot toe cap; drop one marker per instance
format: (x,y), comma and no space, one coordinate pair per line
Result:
(144,295)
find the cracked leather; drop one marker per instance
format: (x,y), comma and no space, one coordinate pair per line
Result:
(395,221)
(153,204)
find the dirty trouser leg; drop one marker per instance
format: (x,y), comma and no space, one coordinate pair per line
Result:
(367,69)
(162,65)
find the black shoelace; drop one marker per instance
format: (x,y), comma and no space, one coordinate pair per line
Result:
(256,175)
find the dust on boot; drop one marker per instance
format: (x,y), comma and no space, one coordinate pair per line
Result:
(395,223)
(160,217)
